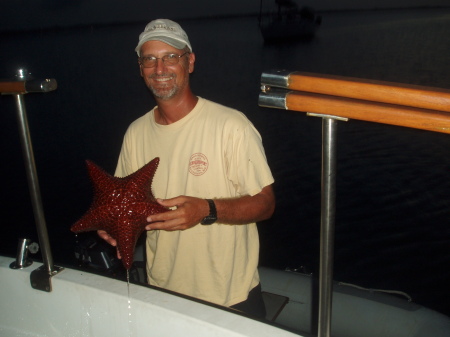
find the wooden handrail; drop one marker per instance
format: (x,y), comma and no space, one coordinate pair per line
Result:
(431,120)
(12,87)
(8,87)
(405,105)
(364,89)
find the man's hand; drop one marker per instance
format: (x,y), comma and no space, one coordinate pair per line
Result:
(108,238)
(187,212)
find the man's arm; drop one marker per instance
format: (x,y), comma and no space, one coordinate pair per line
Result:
(236,211)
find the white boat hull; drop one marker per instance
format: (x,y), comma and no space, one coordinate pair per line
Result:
(85,304)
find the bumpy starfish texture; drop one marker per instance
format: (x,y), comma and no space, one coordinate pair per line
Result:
(121,206)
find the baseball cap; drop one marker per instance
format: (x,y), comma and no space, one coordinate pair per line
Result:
(166,31)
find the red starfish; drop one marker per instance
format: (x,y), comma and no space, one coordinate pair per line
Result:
(121,206)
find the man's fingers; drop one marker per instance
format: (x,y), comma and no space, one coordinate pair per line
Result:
(108,238)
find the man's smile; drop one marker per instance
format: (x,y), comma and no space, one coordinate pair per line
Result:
(162,78)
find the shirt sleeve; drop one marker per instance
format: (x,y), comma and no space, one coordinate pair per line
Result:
(249,170)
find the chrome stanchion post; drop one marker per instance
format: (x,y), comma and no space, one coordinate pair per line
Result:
(41,277)
(33,183)
(327,219)
(327,225)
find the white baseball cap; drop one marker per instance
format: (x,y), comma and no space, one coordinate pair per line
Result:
(166,31)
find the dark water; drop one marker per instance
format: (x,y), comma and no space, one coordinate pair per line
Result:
(393,186)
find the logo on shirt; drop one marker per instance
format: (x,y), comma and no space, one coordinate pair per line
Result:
(198,164)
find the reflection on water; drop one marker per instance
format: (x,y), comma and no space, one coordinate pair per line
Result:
(393,207)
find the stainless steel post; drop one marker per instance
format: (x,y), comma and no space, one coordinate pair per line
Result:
(329,126)
(41,277)
(33,183)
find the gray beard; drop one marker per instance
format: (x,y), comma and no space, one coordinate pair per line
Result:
(165,94)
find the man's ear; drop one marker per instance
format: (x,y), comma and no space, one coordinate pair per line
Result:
(191,62)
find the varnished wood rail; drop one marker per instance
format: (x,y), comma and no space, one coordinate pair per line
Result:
(405,105)
(8,87)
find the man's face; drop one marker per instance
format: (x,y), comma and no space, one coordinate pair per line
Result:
(165,81)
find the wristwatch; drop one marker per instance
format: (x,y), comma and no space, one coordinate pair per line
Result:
(212,216)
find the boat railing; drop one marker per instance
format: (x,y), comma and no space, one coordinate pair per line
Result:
(23,83)
(335,98)
(382,102)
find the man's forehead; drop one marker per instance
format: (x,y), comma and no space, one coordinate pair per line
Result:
(157,47)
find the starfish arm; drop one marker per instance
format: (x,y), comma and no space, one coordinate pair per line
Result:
(126,242)
(93,219)
(143,178)
(101,180)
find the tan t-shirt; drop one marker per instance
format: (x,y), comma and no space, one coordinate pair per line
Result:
(213,152)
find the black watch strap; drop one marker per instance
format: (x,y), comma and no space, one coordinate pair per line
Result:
(212,216)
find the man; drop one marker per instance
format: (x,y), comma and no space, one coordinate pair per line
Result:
(213,174)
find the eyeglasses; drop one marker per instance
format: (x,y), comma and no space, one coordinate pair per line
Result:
(168,60)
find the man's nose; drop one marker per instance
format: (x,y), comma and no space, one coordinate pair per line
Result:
(160,66)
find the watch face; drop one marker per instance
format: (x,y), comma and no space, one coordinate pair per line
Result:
(208,221)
